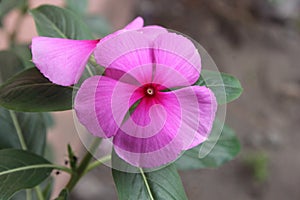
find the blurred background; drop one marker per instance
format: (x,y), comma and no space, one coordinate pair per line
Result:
(258,41)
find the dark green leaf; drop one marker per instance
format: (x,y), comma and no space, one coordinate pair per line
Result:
(24,53)
(48,187)
(225,148)
(10,64)
(30,91)
(225,87)
(164,183)
(52,21)
(12,175)
(77,6)
(63,195)
(33,128)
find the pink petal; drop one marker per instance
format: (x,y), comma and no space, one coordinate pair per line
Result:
(177,52)
(137,23)
(153,159)
(62,61)
(207,107)
(102,103)
(129,42)
(153,31)
(160,129)
(149,138)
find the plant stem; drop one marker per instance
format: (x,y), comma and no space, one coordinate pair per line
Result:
(18,129)
(89,70)
(28,194)
(23,144)
(97,163)
(146,183)
(39,192)
(80,171)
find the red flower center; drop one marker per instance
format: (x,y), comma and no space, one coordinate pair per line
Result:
(150,90)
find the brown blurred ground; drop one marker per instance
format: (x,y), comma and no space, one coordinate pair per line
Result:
(258,44)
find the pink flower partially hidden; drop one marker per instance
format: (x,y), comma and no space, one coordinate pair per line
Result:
(63,61)
(153,71)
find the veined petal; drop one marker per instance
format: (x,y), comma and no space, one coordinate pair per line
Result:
(96,109)
(152,31)
(179,53)
(207,107)
(62,61)
(159,129)
(137,23)
(129,42)
(150,138)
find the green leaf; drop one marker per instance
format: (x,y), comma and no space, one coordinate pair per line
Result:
(98,25)
(225,148)
(52,21)
(24,53)
(33,127)
(18,170)
(164,183)
(63,195)
(225,87)
(30,91)
(77,6)
(10,64)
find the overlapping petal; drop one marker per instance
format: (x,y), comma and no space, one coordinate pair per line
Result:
(94,108)
(62,61)
(164,123)
(152,129)
(163,126)
(135,24)
(114,52)
(180,55)
(136,49)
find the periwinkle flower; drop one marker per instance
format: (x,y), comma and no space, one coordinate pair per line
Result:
(145,101)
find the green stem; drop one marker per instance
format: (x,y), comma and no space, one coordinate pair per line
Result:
(18,129)
(24,147)
(89,70)
(28,194)
(146,183)
(97,163)
(76,175)
(39,192)
(62,168)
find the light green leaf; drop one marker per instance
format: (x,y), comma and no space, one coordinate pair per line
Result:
(226,148)
(77,6)
(30,91)
(98,25)
(225,87)
(52,21)
(19,170)
(164,183)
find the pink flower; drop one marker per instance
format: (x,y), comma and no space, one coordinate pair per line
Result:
(63,61)
(154,71)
